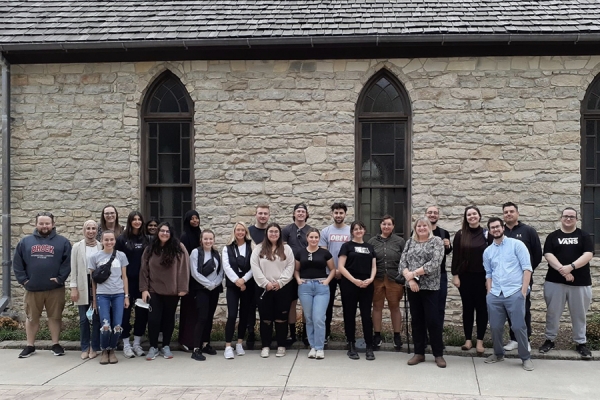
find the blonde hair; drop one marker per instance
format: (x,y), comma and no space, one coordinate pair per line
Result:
(232,237)
(422,219)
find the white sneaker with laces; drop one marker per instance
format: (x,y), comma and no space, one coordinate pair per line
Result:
(511,345)
(320,354)
(239,349)
(264,353)
(128,351)
(280,352)
(312,353)
(138,351)
(229,353)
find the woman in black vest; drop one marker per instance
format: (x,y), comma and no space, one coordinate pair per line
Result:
(240,286)
(207,283)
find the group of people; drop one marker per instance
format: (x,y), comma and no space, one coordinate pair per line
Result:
(269,268)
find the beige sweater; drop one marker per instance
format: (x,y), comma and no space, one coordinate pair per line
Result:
(265,271)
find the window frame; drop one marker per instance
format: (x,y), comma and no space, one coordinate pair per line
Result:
(146,118)
(362,117)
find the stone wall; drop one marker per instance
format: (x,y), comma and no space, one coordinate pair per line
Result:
(484,131)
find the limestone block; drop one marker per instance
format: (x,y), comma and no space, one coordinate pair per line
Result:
(315,155)
(566,80)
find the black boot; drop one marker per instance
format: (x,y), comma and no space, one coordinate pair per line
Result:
(352,353)
(377,341)
(370,356)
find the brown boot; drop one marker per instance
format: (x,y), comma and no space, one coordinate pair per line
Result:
(440,362)
(112,357)
(104,357)
(416,359)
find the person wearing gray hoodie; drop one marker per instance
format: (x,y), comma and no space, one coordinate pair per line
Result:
(42,264)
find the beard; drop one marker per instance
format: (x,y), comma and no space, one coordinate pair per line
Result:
(338,220)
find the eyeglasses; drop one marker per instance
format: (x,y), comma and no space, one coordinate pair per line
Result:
(569,217)
(432,212)
(110,213)
(165,231)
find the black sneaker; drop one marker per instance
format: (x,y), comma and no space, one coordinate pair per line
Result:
(326,342)
(397,343)
(27,351)
(352,353)
(370,356)
(547,346)
(197,355)
(582,349)
(58,350)
(377,341)
(209,350)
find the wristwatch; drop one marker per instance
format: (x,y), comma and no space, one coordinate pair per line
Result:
(126,296)
(573,266)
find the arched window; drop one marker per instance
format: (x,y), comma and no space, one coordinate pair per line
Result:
(383,153)
(590,161)
(167,156)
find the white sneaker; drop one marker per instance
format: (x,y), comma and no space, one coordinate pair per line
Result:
(229,353)
(239,349)
(280,352)
(128,352)
(138,351)
(264,353)
(529,347)
(512,345)
(312,353)
(320,354)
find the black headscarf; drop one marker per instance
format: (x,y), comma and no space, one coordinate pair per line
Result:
(190,236)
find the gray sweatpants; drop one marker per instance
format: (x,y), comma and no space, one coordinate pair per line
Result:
(578,298)
(513,306)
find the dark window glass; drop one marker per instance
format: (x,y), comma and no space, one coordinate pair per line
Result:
(168,175)
(383,155)
(590,163)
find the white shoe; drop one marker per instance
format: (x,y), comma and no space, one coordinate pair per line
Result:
(280,352)
(138,351)
(128,352)
(264,353)
(320,354)
(529,347)
(512,345)
(239,349)
(229,353)
(312,353)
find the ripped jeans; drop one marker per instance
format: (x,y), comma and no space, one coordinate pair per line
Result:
(110,310)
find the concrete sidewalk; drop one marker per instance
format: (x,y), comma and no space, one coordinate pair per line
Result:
(291,377)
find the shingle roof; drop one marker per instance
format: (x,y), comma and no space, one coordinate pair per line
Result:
(52,22)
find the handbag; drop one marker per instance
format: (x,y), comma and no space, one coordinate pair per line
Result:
(102,272)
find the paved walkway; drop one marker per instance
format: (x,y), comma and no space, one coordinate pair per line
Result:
(294,376)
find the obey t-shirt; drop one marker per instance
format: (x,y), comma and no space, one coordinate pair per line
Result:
(568,247)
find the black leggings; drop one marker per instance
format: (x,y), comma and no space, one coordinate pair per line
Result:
(206,305)
(274,305)
(161,318)
(353,296)
(141,314)
(472,293)
(329,314)
(238,301)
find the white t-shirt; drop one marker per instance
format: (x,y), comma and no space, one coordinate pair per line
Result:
(114,283)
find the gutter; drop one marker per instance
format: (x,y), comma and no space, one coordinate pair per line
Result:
(6,215)
(312,41)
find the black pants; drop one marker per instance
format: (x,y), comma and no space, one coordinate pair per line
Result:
(442,295)
(206,305)
(187,320)
(141,314)
(527,318)
(353,296)
(329,314)
(472,293)
(424,311)
(161,318)
(238,302)
(273,305)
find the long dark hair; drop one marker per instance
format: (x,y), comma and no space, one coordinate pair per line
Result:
(151,219)
(130,236)
(267,246)
(466,237)
(170,250)
(118,228)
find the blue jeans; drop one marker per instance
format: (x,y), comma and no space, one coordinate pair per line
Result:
(110,305)
(314,297)
(84,329)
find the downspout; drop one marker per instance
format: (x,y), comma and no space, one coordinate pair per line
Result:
(6,218)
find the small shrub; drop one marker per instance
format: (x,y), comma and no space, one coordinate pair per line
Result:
(593,332)
(8,324)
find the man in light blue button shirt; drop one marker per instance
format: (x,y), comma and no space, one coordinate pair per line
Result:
(508,272)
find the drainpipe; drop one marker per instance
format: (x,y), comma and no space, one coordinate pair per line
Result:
(6,219)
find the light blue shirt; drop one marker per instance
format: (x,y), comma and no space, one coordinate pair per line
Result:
(504,263)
